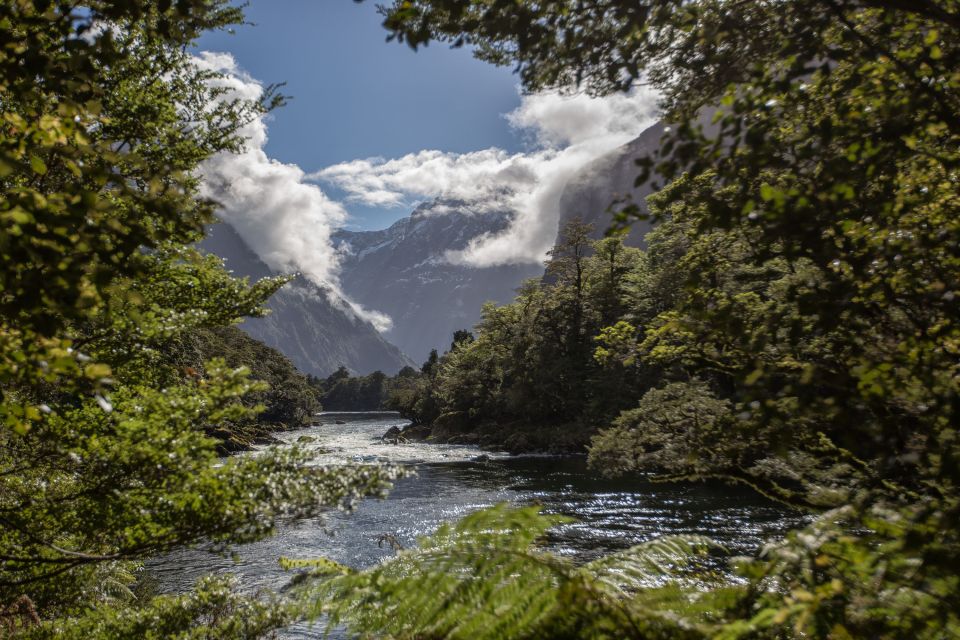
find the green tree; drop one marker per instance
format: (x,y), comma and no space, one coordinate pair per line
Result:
(429,367)
(290,400)
(461,336)
(530,364)
(610,269)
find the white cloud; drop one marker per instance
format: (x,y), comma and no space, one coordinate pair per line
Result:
(570,132)
(561,121)
(431,174)
(284,219)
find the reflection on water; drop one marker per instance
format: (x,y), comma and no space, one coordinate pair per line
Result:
(610,514)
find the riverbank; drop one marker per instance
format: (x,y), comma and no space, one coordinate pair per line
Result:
(513,437)
(248,437)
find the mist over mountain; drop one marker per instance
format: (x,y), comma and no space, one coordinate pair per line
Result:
(404,271)
(591,192)
(311,325)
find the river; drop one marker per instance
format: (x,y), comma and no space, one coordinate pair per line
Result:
(449,483)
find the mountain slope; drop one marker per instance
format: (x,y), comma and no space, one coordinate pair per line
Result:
(402,272)
(309,324)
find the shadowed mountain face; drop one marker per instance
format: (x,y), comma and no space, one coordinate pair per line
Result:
(402,271)
(590,194)
(309,324)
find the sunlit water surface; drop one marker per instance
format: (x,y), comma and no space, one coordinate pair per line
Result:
(610,514)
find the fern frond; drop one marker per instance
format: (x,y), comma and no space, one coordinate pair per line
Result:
(114,580)
(651,564)
(487,577)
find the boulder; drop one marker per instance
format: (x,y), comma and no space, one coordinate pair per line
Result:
(392,433)
(416,432)
(451,424)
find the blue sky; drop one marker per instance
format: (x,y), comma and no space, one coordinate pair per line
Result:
(357,96)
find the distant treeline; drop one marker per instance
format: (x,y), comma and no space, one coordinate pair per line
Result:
(342,392)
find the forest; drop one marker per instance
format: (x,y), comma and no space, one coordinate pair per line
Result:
(792,325)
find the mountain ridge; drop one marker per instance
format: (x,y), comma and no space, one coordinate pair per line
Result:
(427,296)
(308,323)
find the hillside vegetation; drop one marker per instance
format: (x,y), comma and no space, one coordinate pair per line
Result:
(287,402)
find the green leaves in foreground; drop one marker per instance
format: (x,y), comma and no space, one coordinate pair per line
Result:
(486,576)
(213,611)
(92,485)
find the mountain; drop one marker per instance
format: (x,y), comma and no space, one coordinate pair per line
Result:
(590,193)
(309,324)
(402,271)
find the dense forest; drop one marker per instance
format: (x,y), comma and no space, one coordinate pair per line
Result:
(288,401)
(341,391)
(791,325)
(529,377)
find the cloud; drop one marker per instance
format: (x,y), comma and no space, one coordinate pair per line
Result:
(431,174)
(568,133)
(286,220)
(562,120)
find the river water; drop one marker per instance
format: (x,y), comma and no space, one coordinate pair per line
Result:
(610,514)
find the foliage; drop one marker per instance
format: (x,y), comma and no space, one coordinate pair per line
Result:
(213,610)
(409,392)
(668,430)
(342,392)
(461,336)
(488,577)
(852,574)
(288,402)
(531,362)
(413,394)
(793,325)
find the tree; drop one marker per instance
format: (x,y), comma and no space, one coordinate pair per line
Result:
(430,365)
(461,336)
(289,402)
(530,363)
(342,373)
(610,268)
